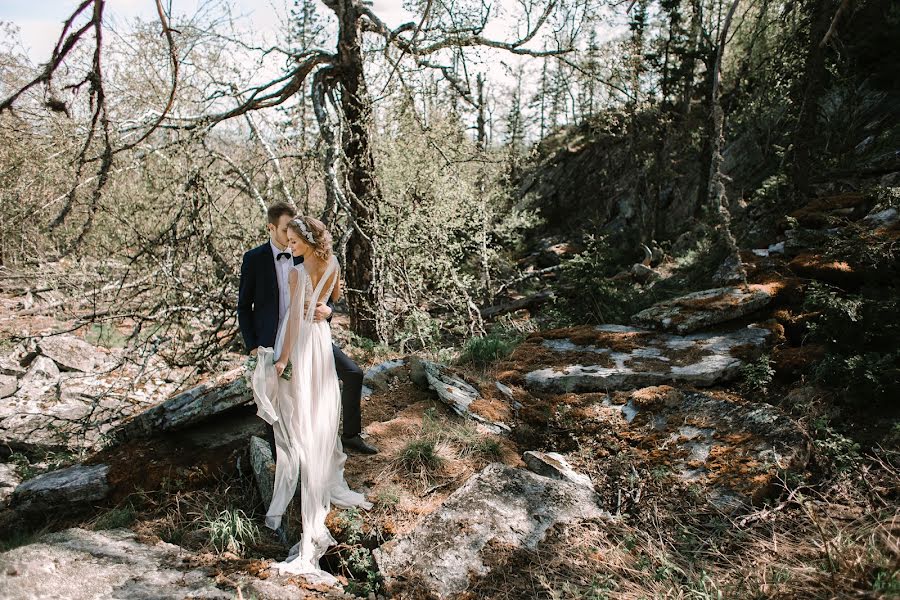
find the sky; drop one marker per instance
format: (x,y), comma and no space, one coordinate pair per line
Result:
(40,21)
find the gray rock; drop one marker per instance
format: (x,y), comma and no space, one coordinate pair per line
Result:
(42,373)
(85,565)
(643,273)
(263,466)
(72,353)
(417,372)
(458,395)
(697,359)
(9,480)
(377,377)
(62,489)
(499,505)
(702,309)
(197,404)
(10,366)
(8,385)
(555,466)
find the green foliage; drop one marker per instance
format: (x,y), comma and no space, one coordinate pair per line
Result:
(758,375)
(444,223)
(121,516)
(231,530)
(358,562)
(886,581)
(590,295)
(484,350)
(839,452)
(859,332)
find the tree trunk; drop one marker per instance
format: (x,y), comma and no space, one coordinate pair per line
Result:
(807,92)
(364,194)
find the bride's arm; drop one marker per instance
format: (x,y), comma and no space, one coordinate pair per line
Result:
(295,312)
(336,292)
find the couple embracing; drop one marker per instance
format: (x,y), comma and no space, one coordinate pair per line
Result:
(287,289)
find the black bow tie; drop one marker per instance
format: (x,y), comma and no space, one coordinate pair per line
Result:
(281,255)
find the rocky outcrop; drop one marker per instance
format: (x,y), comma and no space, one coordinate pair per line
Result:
(72,353)
(9,480)
(733,449)
(54,404)
(501,505)
(67,489)
(623,357)
(703,309)
(197,404)
(77,564)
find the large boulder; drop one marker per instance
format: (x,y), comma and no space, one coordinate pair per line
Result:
(500,505)
(213,397)
(86,565)
(705,308)
(62,489)
(617,357)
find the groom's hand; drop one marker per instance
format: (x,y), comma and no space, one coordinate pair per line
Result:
(322,312)
(253,352)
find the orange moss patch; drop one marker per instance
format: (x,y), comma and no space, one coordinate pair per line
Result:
(649,397)
(588,335)
(492,409)
(822,211)
(836,272)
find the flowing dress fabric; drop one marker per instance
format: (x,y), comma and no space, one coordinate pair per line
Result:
(304,412)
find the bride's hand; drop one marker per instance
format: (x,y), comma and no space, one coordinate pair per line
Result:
(280,367)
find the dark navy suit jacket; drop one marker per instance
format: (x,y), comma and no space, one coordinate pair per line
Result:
(257,307)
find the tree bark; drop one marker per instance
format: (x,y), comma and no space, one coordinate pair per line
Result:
(364,194)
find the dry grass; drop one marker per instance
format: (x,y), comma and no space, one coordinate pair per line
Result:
(840,541)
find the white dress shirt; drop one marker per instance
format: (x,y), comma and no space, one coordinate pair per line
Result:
(282,267)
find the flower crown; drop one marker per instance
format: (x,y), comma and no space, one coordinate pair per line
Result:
(301,225)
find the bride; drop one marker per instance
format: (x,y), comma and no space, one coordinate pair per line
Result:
(304,410)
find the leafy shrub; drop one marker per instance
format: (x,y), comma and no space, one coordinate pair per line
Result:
(758,375)
(590,295)
(860,333)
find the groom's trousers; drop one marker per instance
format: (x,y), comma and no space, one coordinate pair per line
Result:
(351,377)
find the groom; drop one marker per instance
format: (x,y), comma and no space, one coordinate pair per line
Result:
(263,298)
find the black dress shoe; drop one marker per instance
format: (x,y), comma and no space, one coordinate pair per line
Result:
(281,534)
(357,445)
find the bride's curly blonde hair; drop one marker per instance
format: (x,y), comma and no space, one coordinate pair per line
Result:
(309,227)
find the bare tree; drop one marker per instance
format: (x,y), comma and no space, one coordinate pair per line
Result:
(341,102)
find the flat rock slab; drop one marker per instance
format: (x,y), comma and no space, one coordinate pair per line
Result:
(62,489)
(379,376)
(733,449)
(462,397)
(499,505)
(705,308)
(617,357)
(555,466)
(77,564)
(197,404)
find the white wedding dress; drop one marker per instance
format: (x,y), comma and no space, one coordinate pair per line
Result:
(304,411)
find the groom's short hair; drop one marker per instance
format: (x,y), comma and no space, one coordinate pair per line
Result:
(278,209)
